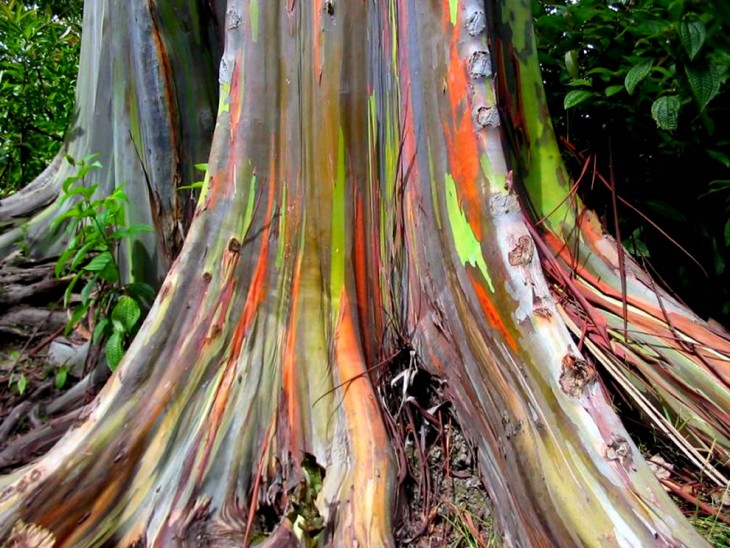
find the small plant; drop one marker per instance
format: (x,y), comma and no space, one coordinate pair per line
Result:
(197,184)
(19,381)
(96,227)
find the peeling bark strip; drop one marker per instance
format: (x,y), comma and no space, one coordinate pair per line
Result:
(349,199)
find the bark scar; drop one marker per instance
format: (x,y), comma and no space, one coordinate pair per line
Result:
(576,376)
(522,253)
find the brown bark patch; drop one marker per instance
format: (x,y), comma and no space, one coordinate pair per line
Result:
(522,253)
(576,375)
(619,449)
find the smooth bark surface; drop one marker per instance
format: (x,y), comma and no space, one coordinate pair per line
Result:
(358,204)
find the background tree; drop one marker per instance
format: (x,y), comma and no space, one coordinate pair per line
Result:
(360,225)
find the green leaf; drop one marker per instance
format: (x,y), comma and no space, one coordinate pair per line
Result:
(613,90)
(100,262)
(692,34)
(61,376)
(721,157)
(69,289)
(21,384)
(126,313)
(579,82)
(82,253)
(196,184)
(76,317)
(114,350)
(87,291)
(315,474)
(727,233)
(576,97)
(636,74)
(665,111)
(667,210)
(130,230)
(62,260)
(601,70)
(705,82)
(110,273)
(635,245)
(141,291)
(99,330)
(571,63)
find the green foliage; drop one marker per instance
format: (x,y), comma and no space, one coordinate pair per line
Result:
(18,381)
(197,184)
(39,50)
(95,227)
(652,47)
(645,82)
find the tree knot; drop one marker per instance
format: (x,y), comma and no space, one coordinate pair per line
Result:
(234,246)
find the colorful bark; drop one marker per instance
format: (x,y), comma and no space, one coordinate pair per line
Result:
(357,193)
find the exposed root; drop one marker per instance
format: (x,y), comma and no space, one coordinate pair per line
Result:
(38,441)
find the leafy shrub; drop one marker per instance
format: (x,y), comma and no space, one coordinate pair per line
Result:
(96,226)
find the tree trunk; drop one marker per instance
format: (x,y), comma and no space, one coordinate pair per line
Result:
(362,206)
(145,103)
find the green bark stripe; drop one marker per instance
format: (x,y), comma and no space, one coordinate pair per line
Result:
(337,272)
(224,103)
(467,246)
(250,203)
(253,13)
(453,8)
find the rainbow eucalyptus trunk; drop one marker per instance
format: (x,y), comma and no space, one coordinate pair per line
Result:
(359,202)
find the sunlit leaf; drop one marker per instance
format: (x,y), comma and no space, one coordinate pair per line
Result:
(114,350)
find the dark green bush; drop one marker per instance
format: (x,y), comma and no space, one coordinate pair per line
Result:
(644,82)
(39,50)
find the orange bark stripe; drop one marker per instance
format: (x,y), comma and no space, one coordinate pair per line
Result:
(317,8)
(256,292)
(491,312)
(289,370)
(234,99)
(462,140)
(367,432)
